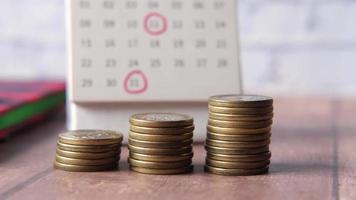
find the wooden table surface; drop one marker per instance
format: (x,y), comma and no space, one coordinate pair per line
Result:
(313,148)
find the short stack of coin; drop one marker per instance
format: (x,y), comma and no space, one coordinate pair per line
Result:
(239,132)
(88,150)
(161,143)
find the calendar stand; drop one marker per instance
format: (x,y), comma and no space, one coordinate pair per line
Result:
(131,56)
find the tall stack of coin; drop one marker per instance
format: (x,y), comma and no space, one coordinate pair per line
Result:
(161,143)
(88,150)
(238,137)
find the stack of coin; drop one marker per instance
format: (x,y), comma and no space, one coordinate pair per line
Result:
(161,143)
(88,150)
(238,137)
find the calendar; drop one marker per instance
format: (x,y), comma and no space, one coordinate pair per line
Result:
(149,51)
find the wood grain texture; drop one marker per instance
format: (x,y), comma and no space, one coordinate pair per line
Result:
(345,138)
(313,145)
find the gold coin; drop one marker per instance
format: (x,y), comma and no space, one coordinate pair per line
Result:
(238,131)
(239,158)
(237,165)
(243,118)
(149,144)
(88,148)
(160,138)
(241,111)
(242,138)
(90,137)
(160,151)
(161,120)
(240,101)
(163,131)
(79,168)
(236,145)
(159,165)
(85,162)
(235,172)
(239,124)
(183,170)
(161,158)
(89,156)
(235,151)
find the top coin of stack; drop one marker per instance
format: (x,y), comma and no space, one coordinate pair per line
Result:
(161,143)
(88,150)
(238,137)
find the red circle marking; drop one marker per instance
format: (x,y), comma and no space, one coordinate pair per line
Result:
(135,91)
(152,32)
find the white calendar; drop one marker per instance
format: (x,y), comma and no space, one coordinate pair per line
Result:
(129,56)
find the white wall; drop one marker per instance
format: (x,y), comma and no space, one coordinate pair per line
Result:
(289,47)
(299,47)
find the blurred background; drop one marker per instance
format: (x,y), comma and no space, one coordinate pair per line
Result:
(289,47)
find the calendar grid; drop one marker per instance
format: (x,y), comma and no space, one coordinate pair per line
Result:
(135,50)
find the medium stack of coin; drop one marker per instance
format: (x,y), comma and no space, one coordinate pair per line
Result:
(161,143)
(238,136)
(88,150)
